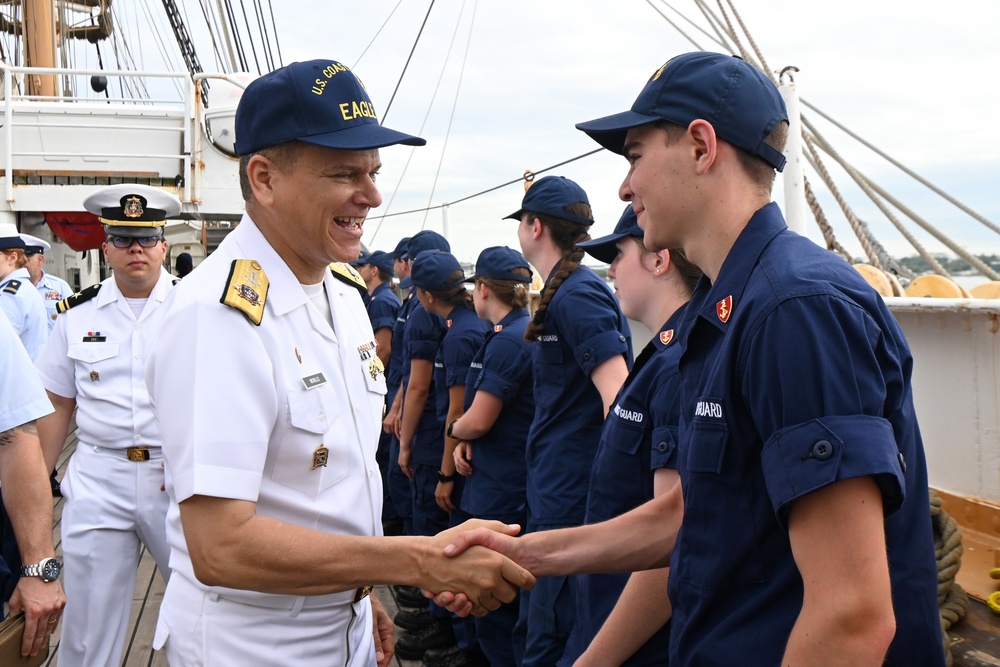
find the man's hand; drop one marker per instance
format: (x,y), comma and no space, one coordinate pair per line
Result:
(405,459)
(442,495)
(382,631)
(485,578)
(42,603)
(463,458)
(391,423)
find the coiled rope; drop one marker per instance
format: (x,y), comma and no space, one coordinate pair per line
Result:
(952,599)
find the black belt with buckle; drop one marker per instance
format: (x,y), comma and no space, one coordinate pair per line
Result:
(362,593)
(137,453)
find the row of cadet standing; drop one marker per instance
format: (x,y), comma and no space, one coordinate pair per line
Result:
(528,419)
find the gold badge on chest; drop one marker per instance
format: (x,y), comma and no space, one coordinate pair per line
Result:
(375,368)
(320,457)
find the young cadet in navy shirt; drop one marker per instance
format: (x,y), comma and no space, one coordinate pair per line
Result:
(499,406)
(440,283)
(383,305)
(637,455)
(583,348)
(807,533)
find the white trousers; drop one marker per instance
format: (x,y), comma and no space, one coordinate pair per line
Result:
(201,629)
(112,505)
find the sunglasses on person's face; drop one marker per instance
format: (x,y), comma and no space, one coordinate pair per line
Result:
(124,242)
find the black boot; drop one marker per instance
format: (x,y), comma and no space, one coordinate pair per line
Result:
(413,646)
(414,620)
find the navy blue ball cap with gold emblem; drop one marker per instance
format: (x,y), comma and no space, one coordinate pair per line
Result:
(133,210)
(319,102)
(605,248)
(553,195)
(738,100)
(9,237)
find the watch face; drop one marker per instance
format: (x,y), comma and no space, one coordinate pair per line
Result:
(51,569)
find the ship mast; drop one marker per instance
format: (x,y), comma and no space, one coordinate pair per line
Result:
(40,45)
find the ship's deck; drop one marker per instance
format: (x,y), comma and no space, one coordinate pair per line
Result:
(977,637)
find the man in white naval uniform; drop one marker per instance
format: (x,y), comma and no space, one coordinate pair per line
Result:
(52,288)
(22,473)
(95,362)
(19,300)
(269,394)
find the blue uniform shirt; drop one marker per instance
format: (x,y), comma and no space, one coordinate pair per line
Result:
(464,335)
(394,374)
(383,307)
(25,310)
(502,367)
(53,290)
(795,375)
(639,436)
(584,327)
(421,340)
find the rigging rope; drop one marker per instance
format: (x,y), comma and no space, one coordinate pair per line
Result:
(377,33)
(408,58)
(253,47)
(824,224)
(953,602)
(277,43)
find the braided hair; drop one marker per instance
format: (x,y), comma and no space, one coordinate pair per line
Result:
(566,236)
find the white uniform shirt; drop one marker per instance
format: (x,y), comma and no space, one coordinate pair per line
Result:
(22,397)
(53,290)
(237,419)
(97,355)
(25,310)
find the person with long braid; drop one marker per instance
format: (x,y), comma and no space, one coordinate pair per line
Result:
(582,354)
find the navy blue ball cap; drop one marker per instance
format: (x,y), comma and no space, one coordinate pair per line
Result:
(553,195)
(319,102)
(605,248)
(361,260)
(400,250)
(432,270)
(498,263)
(382,260)
(426,240)
(738,100)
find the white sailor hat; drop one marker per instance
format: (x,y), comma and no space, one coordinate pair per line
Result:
(9,238)
(35,244)
(132,210)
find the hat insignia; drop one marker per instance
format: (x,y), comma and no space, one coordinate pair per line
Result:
(666,336)
(724,308)
(133,207)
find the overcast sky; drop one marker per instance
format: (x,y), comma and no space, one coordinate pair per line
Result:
(921,84)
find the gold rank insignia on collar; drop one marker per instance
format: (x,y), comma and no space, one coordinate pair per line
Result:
(246,289)
(320,457)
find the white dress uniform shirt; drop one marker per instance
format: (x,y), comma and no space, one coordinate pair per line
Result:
(22,396)
(96,355)
(53,290)
(25,310)
(245,411)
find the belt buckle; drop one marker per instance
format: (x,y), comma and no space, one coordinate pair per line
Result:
(362,593)
(137,454)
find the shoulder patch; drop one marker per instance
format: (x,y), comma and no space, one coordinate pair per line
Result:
(83,296)
(246,289)
(346,273)
(12,287)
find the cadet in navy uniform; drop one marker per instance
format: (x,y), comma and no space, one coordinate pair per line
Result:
(499,406)
(270,396)
(807,533)
(637,455)
(37,592)
(440,283)
(583,349)
(52,288)
(93,364)
(383,305)
(19,300)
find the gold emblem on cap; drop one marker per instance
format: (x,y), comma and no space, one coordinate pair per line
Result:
(320,457)
(133,207)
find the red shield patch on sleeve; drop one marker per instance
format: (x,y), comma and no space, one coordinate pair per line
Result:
(666,336)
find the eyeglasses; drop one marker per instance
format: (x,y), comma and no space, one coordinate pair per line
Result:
(124,242)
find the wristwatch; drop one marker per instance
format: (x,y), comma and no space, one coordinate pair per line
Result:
(444,479)
(47,569)
(450,431)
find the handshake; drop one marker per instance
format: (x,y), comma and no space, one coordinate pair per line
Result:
(475,567)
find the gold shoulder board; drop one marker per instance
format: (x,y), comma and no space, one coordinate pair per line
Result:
(346,273)
(83,296)
(246,289)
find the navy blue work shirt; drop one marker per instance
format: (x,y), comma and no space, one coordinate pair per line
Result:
(383,307)
(583,328)
(639,436)
(795,376)
(394,374)
(464,335)
(421,340)
(501,367)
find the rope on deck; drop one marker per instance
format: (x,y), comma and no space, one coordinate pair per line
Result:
(952,600)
